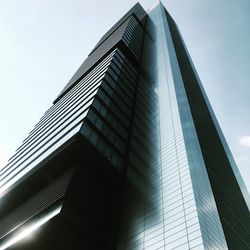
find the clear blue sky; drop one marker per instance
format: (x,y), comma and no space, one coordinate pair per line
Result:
(43,43)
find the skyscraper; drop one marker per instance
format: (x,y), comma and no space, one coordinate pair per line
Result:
(129,156)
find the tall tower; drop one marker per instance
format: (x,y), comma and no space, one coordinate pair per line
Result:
(129,156)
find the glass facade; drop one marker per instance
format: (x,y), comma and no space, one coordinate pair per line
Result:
(130,155)
(171,201)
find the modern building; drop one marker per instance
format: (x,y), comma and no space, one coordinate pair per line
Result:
(129,156)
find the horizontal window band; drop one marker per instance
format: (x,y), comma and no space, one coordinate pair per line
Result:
(64,131)
(60,114)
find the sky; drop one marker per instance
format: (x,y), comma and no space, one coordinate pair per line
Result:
(42,43)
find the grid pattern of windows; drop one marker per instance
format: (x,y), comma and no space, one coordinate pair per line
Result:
(59,123)
(134,42)
(169,203)
(129,32)
(137,11)
(108,121)
(166,217)
(134,99)
(99,105)
(224,178)
(210,224)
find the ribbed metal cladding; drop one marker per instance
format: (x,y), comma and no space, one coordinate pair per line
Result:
(97,54)
(137,11)
(36,204)
(133,37)
(65,117)
(59,123)
(109,118)
(123,30)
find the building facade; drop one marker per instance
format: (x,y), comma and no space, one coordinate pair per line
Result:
(129,156)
